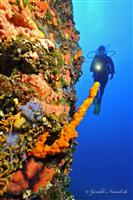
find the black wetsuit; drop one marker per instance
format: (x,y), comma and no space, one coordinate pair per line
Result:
(107,67)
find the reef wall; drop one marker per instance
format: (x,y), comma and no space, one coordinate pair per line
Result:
(40,61)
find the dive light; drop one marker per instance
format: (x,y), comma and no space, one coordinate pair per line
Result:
(98,67)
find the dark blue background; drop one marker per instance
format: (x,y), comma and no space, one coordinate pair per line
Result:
(103,156)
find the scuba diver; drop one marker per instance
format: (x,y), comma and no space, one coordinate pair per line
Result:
(102,66)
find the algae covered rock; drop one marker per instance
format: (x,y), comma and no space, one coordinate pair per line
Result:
(40,61)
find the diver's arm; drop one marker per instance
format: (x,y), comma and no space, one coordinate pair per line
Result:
(92,65)
(112,68)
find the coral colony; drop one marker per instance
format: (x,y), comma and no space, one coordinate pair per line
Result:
(40,61)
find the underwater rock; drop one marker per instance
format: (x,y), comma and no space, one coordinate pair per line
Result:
(40,62)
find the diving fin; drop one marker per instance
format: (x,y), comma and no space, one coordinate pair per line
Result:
(97,109)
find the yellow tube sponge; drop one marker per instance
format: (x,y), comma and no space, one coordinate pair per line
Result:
(86,104)
(67,133)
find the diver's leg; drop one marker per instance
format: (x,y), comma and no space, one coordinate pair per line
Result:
(102,88)
(96,79)
(97,96)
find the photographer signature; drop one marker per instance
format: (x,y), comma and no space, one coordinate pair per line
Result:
(105,191)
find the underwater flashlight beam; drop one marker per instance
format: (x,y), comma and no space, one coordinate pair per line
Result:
(98,67)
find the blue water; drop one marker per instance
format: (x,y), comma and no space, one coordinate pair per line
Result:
(103,159)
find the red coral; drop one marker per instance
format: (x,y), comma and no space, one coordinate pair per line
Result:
(22,18)
(40,8)
(32,168)
(45,176)
(35,171)
(67,58)
(17,183)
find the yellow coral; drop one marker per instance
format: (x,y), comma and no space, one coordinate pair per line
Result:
(19,121)
(67,133)
(13,120)
(3,185)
